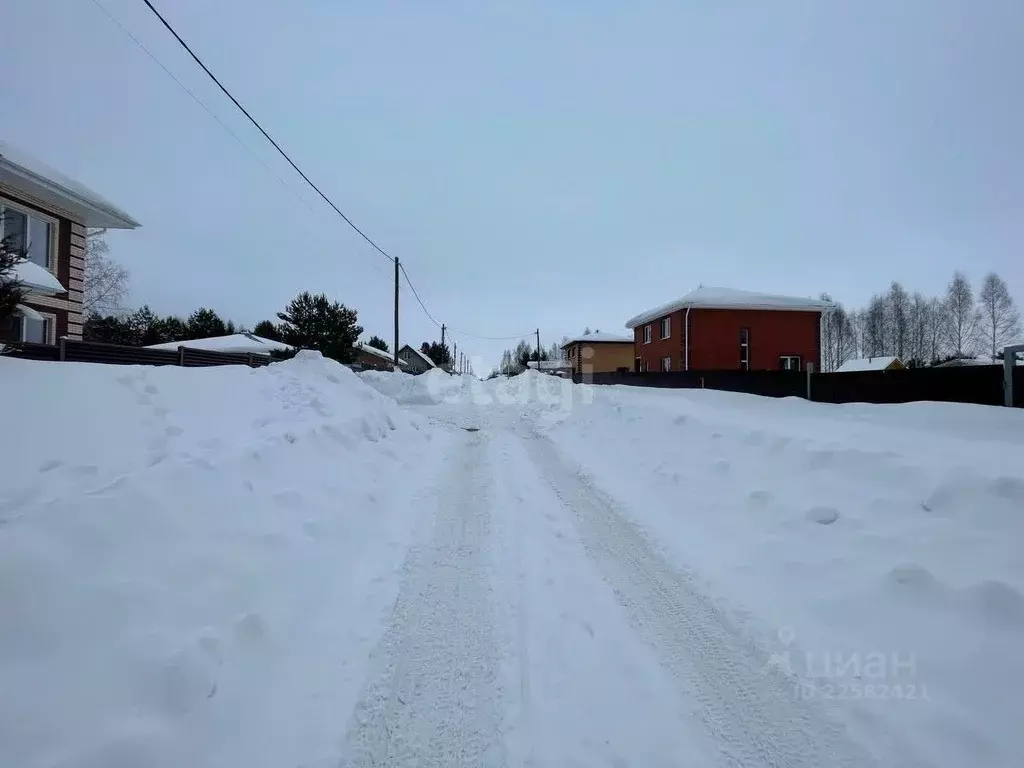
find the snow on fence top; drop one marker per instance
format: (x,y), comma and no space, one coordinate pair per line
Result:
(867,364)
(730,298)
(598,337)
(24,171)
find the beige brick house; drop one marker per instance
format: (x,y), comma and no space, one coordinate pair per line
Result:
(48,214)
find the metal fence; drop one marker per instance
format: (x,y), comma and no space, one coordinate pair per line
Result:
(116,354)
(982,384)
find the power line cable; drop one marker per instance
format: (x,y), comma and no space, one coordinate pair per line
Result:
(260,128)
(210,112)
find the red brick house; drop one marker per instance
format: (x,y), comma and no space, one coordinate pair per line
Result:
(47,214)
(722,328)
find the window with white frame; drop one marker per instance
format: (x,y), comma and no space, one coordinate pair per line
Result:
(29,231)
(643,365)
(666,327)
(666,363)
(744,349)
(30,330)
(647,334)
(789,362)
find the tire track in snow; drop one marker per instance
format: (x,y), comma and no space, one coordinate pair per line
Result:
(749,709)
(435,697)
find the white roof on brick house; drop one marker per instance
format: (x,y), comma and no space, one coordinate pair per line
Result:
(33,178)
(378,352)
(598,338)
(867,364)
(241,343)
(730,298)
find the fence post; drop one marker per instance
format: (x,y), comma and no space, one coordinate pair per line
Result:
(810,373)
(249,359)
(181,356)
(63,348)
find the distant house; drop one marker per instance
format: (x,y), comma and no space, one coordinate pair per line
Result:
(599,353)
(724,328)
(889,363)
(416,361)
(47,214)
(371,358)
(551,367)
(236,343)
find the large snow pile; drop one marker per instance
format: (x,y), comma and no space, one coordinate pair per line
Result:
(194,561)
(876,549)
(434,386)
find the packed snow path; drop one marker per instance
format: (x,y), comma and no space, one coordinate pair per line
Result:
(437,697)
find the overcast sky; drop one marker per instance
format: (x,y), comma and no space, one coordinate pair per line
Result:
(545,164)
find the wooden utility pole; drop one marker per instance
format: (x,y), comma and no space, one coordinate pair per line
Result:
(442,335)
(538,349)
(455,351)
(397,367)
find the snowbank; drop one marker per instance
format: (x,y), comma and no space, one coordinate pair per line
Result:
(874,549)
(194,562)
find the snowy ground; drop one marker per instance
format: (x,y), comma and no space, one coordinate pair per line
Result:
(296,566)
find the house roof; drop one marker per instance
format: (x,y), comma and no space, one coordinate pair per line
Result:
(422,356)
(378,352)
(240,343)
(32,177)
(599,338)
(867,364)
(730,298)
(37,279)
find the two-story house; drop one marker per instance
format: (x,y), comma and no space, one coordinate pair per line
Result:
(723,328)
(46,214)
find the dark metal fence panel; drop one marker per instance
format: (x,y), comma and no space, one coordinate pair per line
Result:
(115,354)
(982,384)
(768,383)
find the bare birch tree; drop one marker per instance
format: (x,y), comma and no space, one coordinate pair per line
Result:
(962,317)
(898,319)
(1000,319)
(104,282)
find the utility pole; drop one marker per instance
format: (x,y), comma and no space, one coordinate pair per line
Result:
(397,367)
(538,349)
(442,335)
(455,352)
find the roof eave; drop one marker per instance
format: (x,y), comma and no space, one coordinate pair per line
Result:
(105,217)
(646,317)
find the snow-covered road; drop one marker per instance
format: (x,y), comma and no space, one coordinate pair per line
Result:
(286,567)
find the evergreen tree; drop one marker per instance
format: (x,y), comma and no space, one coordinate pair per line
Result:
(11,290)
(268,330)
(441,355)
(173,329)
(205,323)
(378,343)
(314,322)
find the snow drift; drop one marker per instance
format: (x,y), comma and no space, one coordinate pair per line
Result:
(191,559)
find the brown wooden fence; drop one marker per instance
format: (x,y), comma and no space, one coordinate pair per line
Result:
(115,354)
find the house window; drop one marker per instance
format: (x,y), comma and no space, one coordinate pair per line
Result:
(666,363)
(666,327)
(643,363)
(744,349)
(647,334)
(29,231)
(29,330)
(789,362)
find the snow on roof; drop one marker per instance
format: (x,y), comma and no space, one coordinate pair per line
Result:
(423,357)
(867,364)
(598,337)
(730,298)
(25,172)
(37,279)
(378,352)
(239,343)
